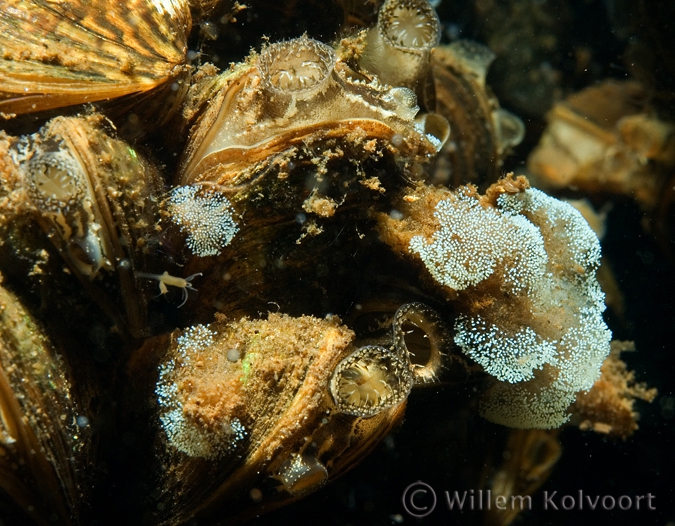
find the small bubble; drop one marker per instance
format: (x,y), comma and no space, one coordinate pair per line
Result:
(233,355)
(300,218)
(397,140)
(396,215)
(133,119)
(124,264)
(417,170)
(191,55)
(175,86)
(82,421)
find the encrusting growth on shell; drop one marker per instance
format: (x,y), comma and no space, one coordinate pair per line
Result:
(205,216)
(204,396)
(522,268)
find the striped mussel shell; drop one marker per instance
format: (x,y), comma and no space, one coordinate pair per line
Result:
(57,54)
(45,428)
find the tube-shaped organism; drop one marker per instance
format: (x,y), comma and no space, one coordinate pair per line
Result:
(399,46)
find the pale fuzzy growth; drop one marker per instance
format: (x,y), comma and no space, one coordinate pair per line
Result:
(509,358)
(525,269)
(205,216)
(576,238)
(543,400)
(530,405)
(184,435)
(473,241)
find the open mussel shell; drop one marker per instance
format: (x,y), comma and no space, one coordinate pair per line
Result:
(45,432)
(94,197)
(248,417)
(294,98)
(72,52)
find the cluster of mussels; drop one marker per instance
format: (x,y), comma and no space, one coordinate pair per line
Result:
(317,231)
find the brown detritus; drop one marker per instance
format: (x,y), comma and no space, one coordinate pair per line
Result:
(373,183)
(320,205)
(506,185)
(608,408)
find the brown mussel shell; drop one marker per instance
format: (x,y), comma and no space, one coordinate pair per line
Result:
(482,134)
(247,419)
(45,432)
(69,53)
(96,200)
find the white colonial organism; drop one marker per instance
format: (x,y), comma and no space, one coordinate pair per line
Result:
(183,431)
(205,216)
(531,307)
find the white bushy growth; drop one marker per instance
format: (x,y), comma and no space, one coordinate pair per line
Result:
(205,216)
(185,435)
(544,255)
